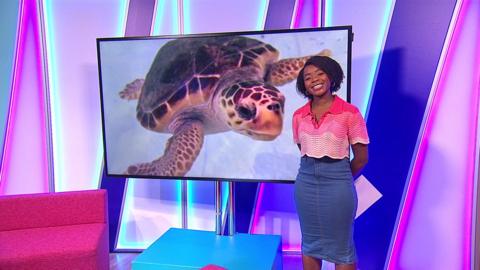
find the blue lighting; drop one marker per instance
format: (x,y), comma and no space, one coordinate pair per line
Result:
(328,13)
(262,14)
(190,207)
(122,18)
(159,13)
(54,102)
(373,73)
(365,106)
(61,184)
(187,29)
(225,193)
(122,239)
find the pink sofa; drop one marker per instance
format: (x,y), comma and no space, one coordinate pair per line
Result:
(65,230)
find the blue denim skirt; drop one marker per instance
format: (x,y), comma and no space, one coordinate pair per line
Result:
(326,202)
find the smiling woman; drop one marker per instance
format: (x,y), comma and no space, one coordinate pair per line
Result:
(322,69)
(324,129)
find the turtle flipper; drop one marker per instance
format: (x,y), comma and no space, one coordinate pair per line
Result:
(180,152)
(132,90)
(286,70)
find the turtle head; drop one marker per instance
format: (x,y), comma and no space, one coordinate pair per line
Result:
(253,108)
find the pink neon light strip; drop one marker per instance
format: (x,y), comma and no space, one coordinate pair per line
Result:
(28,24)
(291,248)
(12,102)
(452,39)
(315,20)
(298,13)
(475,103)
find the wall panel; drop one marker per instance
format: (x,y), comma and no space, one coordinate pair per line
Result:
(71,31)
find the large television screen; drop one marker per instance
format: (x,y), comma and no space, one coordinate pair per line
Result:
(209,106)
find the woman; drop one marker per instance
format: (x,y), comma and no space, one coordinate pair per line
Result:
(325,197)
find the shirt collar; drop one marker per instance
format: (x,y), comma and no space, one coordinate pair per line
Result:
(335,108)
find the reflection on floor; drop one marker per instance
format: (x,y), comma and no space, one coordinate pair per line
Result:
(123,261)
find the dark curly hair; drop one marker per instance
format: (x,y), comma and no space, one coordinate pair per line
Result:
(331,67)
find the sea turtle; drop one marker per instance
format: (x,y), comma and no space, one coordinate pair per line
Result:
(204,85)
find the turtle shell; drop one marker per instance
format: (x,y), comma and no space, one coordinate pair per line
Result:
(188,69)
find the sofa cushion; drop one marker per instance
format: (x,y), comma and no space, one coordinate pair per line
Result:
(65,247)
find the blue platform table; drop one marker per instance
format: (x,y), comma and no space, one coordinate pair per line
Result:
(192,249)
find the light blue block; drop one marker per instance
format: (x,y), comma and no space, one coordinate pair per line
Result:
(191,249)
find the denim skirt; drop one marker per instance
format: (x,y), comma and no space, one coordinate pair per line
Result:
(326,202)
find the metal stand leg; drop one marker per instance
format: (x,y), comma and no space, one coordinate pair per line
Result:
(231,208)
(184,205)
(218,208)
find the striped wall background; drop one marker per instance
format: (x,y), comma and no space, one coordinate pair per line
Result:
(415,77)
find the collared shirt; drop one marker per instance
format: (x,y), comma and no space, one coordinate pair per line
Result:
(341,126)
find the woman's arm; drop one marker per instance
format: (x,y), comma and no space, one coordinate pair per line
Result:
(360,158)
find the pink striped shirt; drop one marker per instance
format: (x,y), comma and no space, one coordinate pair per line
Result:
(341,126)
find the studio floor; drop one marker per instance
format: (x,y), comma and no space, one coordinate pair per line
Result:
(123,261)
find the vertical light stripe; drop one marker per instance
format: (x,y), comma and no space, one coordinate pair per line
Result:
(157,14)
(294,14)
(297,13)
(184,26)
(177,27)
(474,143)
(473,9)
(476,177)
(52,84)
(322,11)
(472,180)
(262,14)
(257,206)
(11,100)
(316,20)
(122,19)
(123,240)
(328,12)
(77,144)
(26,124)
(48,120)
(382,37)
(378,23)
(225,195)
(9,19)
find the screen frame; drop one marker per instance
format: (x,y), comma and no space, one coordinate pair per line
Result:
(348,28)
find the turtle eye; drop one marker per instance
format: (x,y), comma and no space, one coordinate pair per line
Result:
(246,113)
(274,107)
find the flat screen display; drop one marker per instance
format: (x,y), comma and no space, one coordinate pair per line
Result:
(209,106)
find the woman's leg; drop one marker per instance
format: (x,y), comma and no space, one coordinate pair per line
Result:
(311,263)
(352,266)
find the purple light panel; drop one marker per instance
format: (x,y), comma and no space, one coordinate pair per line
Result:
(439,198)
(306,14)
